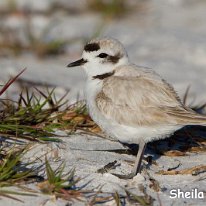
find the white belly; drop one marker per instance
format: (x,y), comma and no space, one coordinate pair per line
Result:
(123,133)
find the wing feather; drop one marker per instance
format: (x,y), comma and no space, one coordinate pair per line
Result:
(143,101)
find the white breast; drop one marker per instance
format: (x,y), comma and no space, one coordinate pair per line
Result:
(93,87)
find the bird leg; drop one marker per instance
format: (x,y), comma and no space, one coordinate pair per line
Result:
(137,164)
(138,161)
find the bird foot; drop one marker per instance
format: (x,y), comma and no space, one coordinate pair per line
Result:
(129,176)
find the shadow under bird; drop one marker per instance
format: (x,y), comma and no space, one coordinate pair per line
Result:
(130,103)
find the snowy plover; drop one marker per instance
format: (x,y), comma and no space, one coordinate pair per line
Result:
(130,103)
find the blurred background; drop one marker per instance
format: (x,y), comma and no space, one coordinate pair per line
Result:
(45,35)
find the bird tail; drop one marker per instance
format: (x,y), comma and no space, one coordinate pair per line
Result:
(189,117)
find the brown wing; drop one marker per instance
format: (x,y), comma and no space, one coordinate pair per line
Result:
(143,101)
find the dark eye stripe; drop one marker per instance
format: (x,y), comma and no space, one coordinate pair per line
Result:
(103,55)
(115,58)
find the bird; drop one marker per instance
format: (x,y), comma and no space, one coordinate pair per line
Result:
(130,103)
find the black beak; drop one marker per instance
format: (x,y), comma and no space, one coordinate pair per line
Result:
(77,63)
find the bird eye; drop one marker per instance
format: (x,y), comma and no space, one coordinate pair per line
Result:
(102,55)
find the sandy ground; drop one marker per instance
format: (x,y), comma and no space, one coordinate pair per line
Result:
(167,36)
(87,154)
